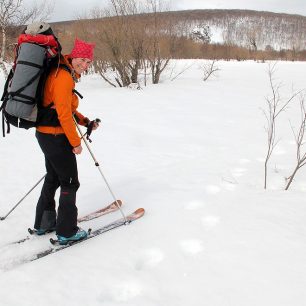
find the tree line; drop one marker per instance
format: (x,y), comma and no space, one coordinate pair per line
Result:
(136,38)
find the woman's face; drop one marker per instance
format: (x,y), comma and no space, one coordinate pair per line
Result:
(80,64)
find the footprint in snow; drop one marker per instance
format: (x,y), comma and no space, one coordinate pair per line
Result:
(212,189)
(244,161)
(193,205)
(229,185)
(291,142)
(149,258)
(279,151)
(192,246)
(210,221)
(121,292)
(260,159)
(239,171)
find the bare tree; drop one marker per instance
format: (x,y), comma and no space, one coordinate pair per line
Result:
(41,12)
(10,14)
(129,41)
(299,140)
(276,105)
(161,39)
(120,40)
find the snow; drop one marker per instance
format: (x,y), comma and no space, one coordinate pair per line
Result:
(192,154)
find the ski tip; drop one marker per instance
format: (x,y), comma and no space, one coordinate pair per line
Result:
(117,203)
(139,211)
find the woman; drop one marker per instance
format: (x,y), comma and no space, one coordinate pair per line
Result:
(60,142)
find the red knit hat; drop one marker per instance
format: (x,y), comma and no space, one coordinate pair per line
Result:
(82,49)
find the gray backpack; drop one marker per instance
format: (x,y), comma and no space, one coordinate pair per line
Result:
(37,51)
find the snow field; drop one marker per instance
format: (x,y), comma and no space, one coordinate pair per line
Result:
(191,153)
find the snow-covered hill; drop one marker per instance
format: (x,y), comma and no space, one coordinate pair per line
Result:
(250,29)
(191,153)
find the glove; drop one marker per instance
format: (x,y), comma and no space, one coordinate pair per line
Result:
(92,125)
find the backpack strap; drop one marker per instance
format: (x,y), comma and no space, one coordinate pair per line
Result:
(4,121)
(77,93)
(65,67)
(6,85)
(2,107)
(3,125)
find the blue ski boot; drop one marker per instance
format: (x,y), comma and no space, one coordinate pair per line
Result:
(41,232)
(79,235)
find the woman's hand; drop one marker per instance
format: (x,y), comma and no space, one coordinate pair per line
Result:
(95,125)
(77,150)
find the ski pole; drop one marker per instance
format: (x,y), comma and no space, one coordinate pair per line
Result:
(3,218)
(98,166)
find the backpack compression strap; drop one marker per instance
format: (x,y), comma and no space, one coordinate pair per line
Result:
(36,76)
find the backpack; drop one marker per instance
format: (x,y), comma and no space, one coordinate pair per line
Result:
(37,51)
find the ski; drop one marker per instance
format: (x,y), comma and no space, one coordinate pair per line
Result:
(56,247)
(114,206)
(101,212)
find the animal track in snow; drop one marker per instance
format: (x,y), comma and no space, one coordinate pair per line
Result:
(239,171)
(193,205)
(279,151)
(212,189)
(192,246)
(127,291)
(210,221)
(260,159)
(121,292)
(229,185)
(244,161)
(149,258)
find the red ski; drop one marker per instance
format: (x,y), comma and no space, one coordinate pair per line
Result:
(100,212)
(91,234)
(56,247)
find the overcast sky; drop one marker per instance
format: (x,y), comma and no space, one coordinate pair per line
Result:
(69,9)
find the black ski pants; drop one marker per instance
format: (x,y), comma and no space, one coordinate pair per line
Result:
(61,166)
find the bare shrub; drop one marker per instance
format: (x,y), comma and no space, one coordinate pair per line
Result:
(209,69)
(299,140)
(276,105)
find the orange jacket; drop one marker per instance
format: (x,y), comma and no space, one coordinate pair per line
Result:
(58,90)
